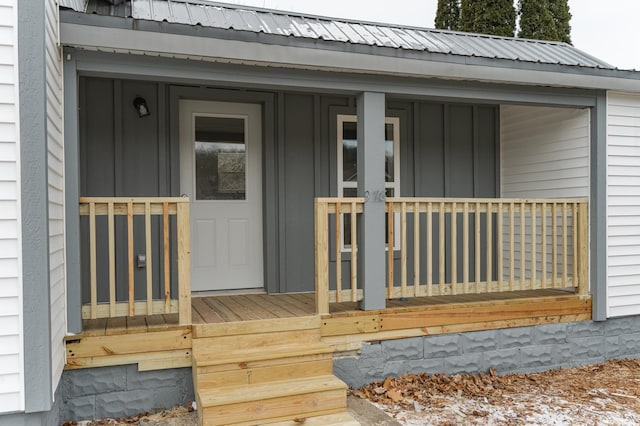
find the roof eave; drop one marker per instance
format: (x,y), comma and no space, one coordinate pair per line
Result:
(184,41)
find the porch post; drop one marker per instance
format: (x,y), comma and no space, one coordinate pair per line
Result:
(371,229)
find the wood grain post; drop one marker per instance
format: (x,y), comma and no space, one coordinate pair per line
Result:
(184,263)
(583,244)
(321,217)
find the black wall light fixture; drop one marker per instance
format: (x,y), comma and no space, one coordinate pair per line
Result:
(140,104)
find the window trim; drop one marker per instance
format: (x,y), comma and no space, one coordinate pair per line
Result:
(395,185)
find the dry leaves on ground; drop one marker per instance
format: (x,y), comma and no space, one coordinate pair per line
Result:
(607,393)
(180,415)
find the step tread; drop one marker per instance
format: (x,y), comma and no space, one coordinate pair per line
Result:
(224,395)
(338,419)
(262,353)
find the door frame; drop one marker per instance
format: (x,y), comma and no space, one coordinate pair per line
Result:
(253,114)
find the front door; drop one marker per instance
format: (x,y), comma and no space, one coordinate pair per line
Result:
(221,172)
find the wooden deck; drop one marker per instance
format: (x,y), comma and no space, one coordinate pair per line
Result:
(158,341)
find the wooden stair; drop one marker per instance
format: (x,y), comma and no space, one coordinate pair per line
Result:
(258,372)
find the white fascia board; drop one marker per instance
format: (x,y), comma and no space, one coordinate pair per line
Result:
(205,48)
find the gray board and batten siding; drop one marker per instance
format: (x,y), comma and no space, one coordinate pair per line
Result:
(446,149)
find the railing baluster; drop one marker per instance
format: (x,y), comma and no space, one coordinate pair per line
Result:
(338,252)
(478,270)
(465,247)
(429,249)
(574,240)
(499,250)
(441,250)
(149,267)
(416,249)
(130,256)
(391,243)
(512,243)
(543,234)
(112,259)
(167,264)
(354,254)
(92,260)
(489,259)
(564,245)
(554,245)
(523,269)
(534,248)
(454,249)
(403,249)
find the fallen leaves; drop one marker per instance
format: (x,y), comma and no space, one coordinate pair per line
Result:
(608,389)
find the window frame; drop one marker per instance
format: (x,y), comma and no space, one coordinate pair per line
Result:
(342,184)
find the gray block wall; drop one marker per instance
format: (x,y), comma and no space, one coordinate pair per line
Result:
(511,350)
(122,391)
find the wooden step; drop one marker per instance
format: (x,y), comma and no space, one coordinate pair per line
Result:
(277,400)
(269,372)
(218,346)
(217,357)
(339,419)
(256,326)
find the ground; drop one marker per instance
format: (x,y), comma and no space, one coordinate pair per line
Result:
(600,394)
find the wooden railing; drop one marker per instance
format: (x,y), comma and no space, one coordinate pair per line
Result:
(446,246)
(147,208)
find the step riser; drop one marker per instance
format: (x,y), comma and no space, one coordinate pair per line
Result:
(209,346)
(266,374)
(313,404)
(241,365)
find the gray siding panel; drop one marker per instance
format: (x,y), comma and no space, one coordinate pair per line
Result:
(298,192)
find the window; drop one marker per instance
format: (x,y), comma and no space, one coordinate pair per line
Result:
(348,163)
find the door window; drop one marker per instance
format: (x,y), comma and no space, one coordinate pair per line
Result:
(220,158)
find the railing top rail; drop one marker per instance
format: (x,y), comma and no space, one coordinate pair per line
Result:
(133,200)
(340,199)
(484,200)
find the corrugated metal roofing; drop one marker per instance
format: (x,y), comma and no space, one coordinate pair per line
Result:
(243,18)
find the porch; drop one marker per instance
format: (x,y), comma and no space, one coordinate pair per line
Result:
(439,251)
(270,357)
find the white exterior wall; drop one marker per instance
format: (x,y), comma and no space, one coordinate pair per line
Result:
(623,204)
(11,330)
(544,152)
(55,176)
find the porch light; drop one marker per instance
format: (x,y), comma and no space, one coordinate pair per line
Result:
(140,104)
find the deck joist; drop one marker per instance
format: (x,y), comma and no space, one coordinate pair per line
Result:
(157,342)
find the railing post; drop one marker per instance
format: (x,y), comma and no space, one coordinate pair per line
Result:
(583,249)
(321,222)
(184,263)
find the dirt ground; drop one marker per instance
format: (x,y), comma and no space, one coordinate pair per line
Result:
(600,394)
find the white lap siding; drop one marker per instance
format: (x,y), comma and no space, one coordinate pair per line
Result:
(544,154)
(55,177)
(11,358)
(623,204)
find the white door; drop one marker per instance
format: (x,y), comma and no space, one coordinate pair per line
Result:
(221,172)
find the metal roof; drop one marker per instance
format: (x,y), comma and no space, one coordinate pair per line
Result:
(301,26)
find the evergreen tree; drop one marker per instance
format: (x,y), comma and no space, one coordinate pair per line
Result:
(561,16)
(497,17)
(536,21)
(448,15)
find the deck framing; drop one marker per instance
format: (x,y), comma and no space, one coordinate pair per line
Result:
(158,341)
